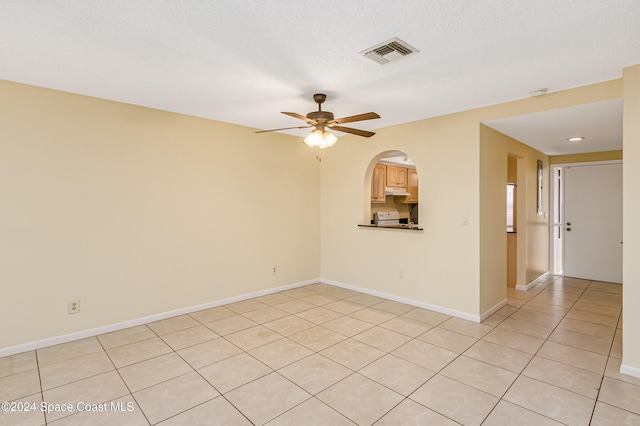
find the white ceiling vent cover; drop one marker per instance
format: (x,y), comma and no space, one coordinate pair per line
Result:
(389,51)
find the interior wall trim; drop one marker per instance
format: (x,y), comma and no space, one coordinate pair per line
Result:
(486,314)
(39,344)
(630,371)
(412,302)
(532,283)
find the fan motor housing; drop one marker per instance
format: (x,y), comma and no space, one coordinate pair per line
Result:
(320,116)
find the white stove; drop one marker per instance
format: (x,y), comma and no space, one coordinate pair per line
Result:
(387,218)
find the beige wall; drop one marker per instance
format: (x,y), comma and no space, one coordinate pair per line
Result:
(512,170)
(447,154)
(120,206)
(139,212)
(586,157)
(631,211)
(496,149)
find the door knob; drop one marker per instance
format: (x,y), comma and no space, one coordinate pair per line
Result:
(568,223)
(568,229)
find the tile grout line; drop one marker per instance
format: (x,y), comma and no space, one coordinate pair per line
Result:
(353,372)
(603,375)
(123,381)
(593,412)
(220,394)
(194,370)
(385,352)
(534,355)
(314,352)
(407,397)
(564,315)
(373,325)
(461,354)
(414,338)
(311,396)
(605,368)
(41,389)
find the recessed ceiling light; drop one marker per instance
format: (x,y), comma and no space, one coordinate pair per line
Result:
(576,139)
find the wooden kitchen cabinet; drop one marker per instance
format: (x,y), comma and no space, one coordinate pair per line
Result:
(412,185)
(396,176)
(378,184)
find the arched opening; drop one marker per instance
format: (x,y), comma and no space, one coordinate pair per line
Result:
(391,186)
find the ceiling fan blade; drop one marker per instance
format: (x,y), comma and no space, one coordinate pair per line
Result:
(358,132)
(301,117)
(359,117)
(284,128)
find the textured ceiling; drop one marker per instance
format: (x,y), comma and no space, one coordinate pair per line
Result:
(244,61)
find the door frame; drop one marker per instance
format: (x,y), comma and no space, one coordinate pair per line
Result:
(553,202)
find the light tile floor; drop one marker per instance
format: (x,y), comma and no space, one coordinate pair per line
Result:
(329,356)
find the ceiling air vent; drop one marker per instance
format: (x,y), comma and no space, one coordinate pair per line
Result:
(389,51)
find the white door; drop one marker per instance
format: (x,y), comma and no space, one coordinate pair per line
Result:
(593,222)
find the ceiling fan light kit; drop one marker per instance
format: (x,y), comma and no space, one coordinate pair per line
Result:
(319,138)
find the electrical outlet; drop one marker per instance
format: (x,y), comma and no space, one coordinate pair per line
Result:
(73,306)
(401,274)
(274,271)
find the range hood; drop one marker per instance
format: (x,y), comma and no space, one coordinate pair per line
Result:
(390,190)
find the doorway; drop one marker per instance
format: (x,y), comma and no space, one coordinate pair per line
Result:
(587,230)
(512,221)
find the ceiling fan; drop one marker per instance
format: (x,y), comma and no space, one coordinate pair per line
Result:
(323,121)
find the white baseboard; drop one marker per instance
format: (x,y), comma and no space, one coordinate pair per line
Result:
(39,344)
(630,371)
(493,309)
(532,283)
(412,302)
